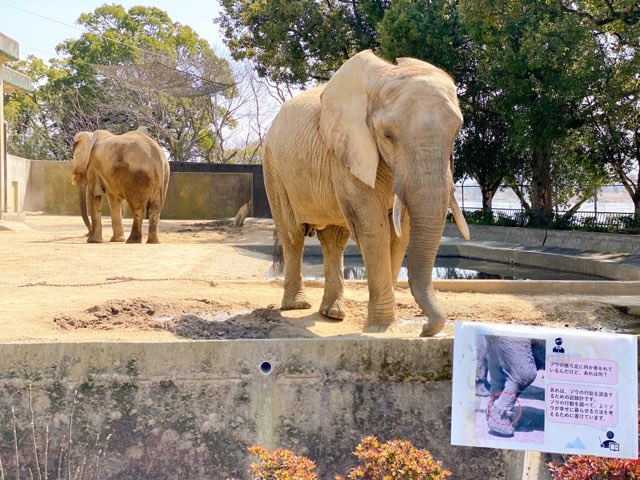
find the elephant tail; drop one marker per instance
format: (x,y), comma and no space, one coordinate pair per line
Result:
(278,255)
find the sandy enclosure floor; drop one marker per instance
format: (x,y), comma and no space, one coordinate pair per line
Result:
(205,281)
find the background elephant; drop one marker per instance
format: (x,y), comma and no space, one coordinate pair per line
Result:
(129,167)
(513,365)
(365,154)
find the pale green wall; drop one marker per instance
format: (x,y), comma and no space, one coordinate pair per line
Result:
(190,196)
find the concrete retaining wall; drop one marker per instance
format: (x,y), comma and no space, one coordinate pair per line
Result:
(47,188)
(614,256)
(191,409)
(592,241)
(17,172)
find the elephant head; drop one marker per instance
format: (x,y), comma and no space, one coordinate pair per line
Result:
(406,115)
(83,143)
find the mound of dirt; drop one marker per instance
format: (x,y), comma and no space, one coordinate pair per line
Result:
(199,319)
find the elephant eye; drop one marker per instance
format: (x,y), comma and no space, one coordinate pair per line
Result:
(387,134)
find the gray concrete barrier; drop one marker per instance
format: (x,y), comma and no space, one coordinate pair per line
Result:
(591,241)
(191,409)
(46,186)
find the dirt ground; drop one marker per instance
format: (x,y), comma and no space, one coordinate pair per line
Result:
(207,280)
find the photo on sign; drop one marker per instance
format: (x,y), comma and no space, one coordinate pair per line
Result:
(509,388)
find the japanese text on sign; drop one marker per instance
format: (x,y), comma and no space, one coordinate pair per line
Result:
(582,404)
(561,367)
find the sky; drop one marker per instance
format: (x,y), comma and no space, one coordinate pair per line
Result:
(39,25)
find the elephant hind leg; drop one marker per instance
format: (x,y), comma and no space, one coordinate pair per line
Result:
(291,236)
(115,205)
(136,229)
(294,297)
(154,221)
(333,240)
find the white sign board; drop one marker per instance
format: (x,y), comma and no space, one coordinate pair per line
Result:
(544,389)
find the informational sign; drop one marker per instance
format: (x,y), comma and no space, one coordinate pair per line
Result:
(544,389)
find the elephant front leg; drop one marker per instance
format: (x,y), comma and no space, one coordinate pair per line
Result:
(136,229)
(292,248)
(115,204)
(333,240)
(369,224)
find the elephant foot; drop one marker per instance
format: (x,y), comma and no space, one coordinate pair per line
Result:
(94,240)
(500,421)
(334,310)
(298,302)
(376,327)
(152,239)
(133,239)
(481,388)
(117,238)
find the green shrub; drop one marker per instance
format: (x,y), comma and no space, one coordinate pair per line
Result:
(396,459)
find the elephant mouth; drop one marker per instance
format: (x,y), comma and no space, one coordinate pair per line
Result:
(399,209)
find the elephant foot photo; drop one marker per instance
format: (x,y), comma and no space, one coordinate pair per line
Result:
(134,239)
(500,421)
(95,240)
(118,238)
(482,389)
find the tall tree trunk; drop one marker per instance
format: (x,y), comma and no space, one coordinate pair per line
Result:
(541,185)
(489,189)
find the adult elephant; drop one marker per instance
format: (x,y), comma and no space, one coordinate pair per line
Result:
(513,364)
(365,154)
(129,167)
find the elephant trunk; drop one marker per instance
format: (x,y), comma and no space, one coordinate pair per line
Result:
(81,182)
(427,207)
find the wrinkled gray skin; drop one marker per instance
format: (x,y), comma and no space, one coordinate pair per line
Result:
(513,364)
(482,367)
(366,155)
(130,167)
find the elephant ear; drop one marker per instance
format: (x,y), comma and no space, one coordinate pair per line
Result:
(343,115)
(82,145)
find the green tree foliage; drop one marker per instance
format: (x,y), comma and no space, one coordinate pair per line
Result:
(546,86)
(432,30)
(542,64)
(129,69)
(614,125)
(298,41)
(34,118)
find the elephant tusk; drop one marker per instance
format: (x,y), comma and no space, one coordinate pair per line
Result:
(459,217)
(398,210)
(74,179)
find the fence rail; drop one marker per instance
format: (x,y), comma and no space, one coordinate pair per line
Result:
(582,219)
